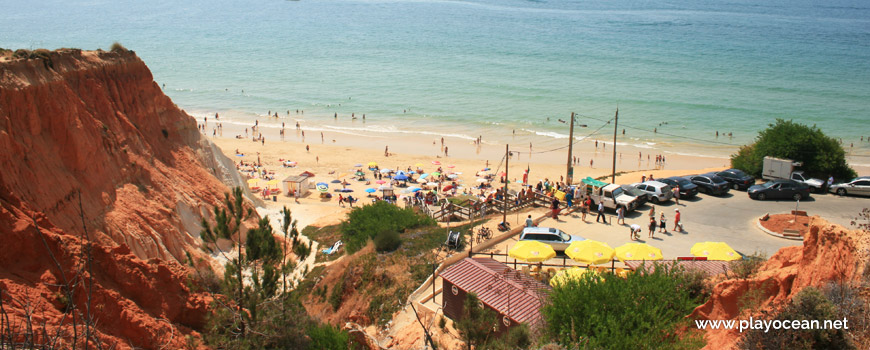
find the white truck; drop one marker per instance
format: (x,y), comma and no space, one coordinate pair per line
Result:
(775,168)
(613,196)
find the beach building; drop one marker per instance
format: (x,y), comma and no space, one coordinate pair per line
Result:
(513,295)
(296,183)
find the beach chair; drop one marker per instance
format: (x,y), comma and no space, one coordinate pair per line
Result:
(333,249)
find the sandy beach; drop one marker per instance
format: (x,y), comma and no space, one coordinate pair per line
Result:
(336,160)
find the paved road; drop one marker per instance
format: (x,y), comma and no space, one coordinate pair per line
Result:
(731,219)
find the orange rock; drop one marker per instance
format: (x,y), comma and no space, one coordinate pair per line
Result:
(829,253)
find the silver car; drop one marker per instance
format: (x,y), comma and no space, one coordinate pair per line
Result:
(556,238)
(858,185)
(658,191)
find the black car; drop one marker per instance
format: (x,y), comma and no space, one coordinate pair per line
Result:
(687,188)
(642,197)
(737,178)
(710,184)
(780,189)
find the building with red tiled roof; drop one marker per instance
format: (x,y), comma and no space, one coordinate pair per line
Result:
(514,296)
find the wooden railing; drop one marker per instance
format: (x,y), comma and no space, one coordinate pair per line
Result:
(469,208)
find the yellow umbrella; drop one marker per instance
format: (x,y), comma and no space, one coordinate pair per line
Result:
(715,251)
(253,182)
(532,251)
(638,251)
(419,165)
(590,252)
(563,276)
(372,164)
(273,183)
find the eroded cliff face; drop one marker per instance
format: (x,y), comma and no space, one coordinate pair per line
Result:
(830,253)
(88,141)
(96,124)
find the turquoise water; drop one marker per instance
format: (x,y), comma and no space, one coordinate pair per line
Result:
(487,67)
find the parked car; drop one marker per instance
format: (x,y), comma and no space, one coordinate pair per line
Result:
(556,238)
(737,178)
(858,185)
(816,185)
(687,188)
(710,184)
(780,189)
(658,191)
(642,197)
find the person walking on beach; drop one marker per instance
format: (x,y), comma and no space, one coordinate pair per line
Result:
(652,211)
(601,213)
(677,194)
(555,209)
(677,223)
(530,222)
(662,227)
(652,227)
(445,151)
(620,215)
(635,232)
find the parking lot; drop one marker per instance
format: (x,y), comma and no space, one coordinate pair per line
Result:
(730,218)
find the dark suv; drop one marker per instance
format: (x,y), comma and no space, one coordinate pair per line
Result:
(737,178)
(687,188)
(710,184)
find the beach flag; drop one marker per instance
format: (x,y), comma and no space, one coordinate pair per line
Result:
(526,175)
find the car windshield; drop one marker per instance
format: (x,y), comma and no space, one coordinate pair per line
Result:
(768,184)
(565,236)
(684,181)
(632,190)
(716,179)
(738,173)
(618,191)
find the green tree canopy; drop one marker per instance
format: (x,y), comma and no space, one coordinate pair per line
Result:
(821,155)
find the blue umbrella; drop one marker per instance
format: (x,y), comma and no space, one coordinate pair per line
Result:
(415,189)
(322,187)
(412,172)
(345,190)
(400,172)
(424,176)
(371,190)
(402,177)
(336,181)
(358,165)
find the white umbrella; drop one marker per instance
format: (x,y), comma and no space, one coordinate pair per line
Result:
(432,184)
(384,171)
(482,180)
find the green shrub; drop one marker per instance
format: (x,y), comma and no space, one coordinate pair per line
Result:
(387,241)
(809,304)
(605,311)
(302,250)
(327,337)
(365,222)
(117,47)
(821,155)
(442,322)
(746,267)
(337,295)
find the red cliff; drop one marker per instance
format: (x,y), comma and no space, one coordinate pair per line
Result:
(830,253)
(95,126)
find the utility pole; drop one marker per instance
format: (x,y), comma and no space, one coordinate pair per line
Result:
(615,123)
(507,157)
(569,176)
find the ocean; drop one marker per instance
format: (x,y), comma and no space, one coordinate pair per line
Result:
(507,70)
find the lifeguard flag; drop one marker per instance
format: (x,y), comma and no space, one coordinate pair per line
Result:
(526,176)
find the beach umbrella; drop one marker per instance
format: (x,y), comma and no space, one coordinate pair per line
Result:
(431,184)
(715,251)
(380,182)
(412,172)
(482,180)
(590,252)
(424,176)
(372,164)
(435,162)
(451,166)
(447,188)
(574,273)
(345,190)
(273,183)
(485,169)
(253,182)
(336,181)
(357,165)
(452,176)
(436,174)
(502,173)
(638,251)
(384,171)
(401,172)
(532,251)
(418,165)
(402,177)
(415,189)
(371,190)
(322,187)
(360,173)
(385,188)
